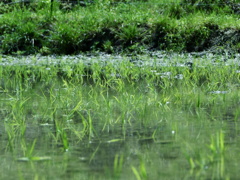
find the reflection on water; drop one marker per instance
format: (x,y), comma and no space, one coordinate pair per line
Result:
(56,130)
(156,58)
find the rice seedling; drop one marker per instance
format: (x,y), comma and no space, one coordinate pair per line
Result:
(213,159)
(117,168)
(141,174)
(177,118)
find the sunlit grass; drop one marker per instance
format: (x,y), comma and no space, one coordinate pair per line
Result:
(113,27)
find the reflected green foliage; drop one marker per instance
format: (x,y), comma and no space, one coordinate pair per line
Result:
(102,120)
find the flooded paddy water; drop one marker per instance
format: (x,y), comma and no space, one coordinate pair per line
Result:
(155,116)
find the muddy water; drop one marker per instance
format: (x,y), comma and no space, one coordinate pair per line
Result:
(181,143)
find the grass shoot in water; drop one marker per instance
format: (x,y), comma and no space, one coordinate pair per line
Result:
(128,111)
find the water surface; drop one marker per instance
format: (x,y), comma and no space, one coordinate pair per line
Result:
(62,128)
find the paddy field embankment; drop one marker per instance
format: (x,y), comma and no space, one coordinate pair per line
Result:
(116,26)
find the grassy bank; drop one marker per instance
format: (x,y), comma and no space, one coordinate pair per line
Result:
(119,26)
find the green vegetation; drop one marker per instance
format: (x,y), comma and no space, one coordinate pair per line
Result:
(115,26)
(116,121)
(158,115)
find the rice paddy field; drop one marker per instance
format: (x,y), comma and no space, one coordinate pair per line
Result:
(155,116)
